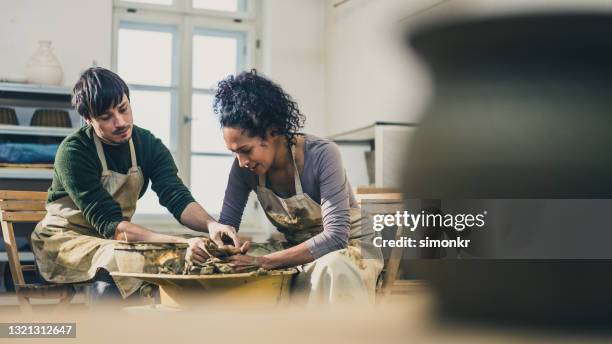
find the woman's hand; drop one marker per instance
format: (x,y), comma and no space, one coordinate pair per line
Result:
(218,230)
(242,260)
(196,252)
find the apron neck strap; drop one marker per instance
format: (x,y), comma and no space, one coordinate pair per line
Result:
(100,152)
(102,158)
(296,175)
(133,154)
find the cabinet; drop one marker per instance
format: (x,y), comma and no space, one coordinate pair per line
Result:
(375,155)
(25,99)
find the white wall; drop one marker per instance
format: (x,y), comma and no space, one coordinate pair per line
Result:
(79,29)
(370,74)
(292,51)
(293,43)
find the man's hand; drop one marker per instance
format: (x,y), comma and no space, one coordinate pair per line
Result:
(217,231)
(196,252)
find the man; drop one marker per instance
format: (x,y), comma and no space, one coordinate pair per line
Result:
(100,171)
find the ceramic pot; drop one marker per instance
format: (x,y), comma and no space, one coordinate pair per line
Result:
(44,67)
(51,118)
(8,116)
(521,110)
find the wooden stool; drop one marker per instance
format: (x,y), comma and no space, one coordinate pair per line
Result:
(27,206)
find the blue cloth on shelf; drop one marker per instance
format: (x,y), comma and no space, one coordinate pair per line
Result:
(27,153)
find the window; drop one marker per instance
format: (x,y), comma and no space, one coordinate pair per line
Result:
(136,44)
(216,54)
(152,85)
(152,2)
(210,8)
(220,5)
(155,51)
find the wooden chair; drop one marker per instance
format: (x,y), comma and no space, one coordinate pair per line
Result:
(27,206)
(388,201)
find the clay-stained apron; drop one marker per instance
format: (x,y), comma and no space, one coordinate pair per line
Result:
(68,249)
(352,271)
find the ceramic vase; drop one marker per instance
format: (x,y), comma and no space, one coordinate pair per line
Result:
(521,110)
(44,67)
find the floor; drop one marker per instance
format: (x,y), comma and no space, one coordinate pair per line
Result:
(406,315)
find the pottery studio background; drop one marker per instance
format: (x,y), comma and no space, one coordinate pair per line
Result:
(326,54)
(346,63)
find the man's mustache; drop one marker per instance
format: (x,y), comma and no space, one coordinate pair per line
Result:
(121,130)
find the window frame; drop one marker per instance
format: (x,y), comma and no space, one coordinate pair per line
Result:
(185,7)
(174,82)
(241,63)
(187,21)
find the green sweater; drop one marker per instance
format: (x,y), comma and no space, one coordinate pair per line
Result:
(77,173)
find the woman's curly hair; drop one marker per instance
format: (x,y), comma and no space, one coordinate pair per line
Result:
(255,104)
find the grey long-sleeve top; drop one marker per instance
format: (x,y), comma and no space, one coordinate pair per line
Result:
(323,179)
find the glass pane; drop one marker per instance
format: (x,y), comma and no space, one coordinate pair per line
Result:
(206,134)
(220,5)
(209,179)
(214,58)
(154,2)
(145,57)
(149,204)
(152,111)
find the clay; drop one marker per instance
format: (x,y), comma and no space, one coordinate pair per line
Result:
(171,259)
(214,250)
(215,266)
(353,251)
(159,258)
(216,263)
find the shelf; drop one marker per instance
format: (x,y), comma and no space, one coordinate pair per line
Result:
(25,173)
(367,133)
(34,88)
(23,257)
(38,131)
(25,98)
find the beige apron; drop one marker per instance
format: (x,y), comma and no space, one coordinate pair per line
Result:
(347,275)
(68,249)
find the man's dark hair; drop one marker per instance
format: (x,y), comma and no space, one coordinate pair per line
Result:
(98,90)
(255,104)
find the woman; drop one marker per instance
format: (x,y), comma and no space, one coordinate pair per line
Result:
(302,186)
